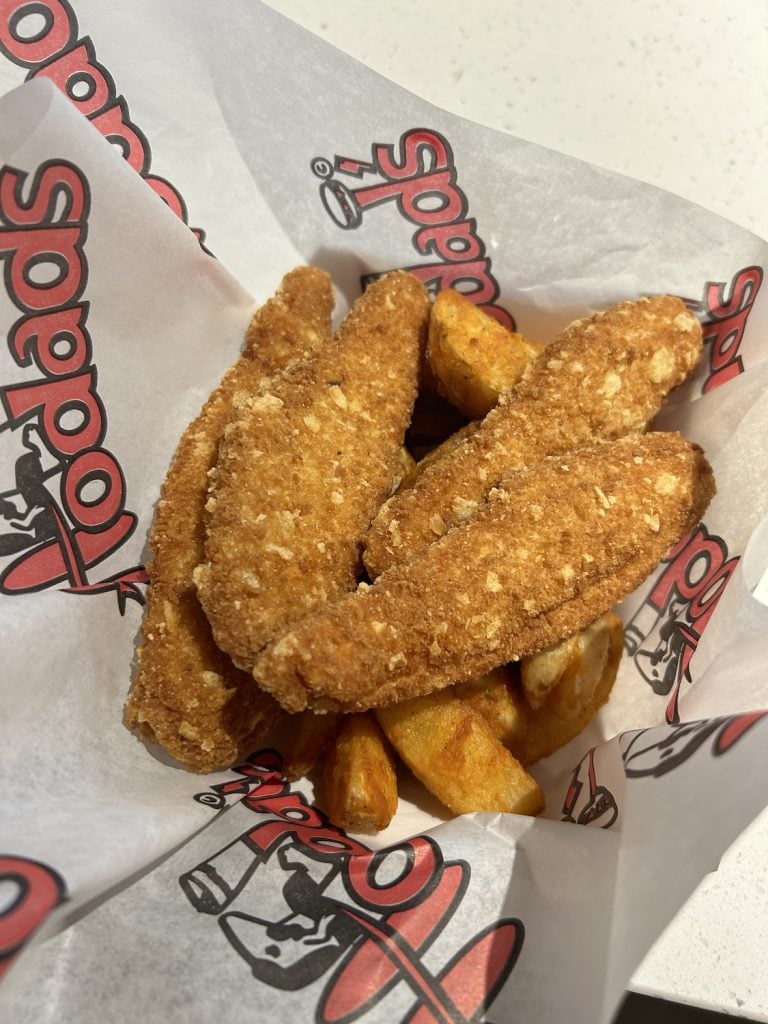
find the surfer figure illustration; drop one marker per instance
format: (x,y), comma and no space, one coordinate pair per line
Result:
(35,522)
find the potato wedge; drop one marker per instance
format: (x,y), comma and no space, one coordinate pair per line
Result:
(541,673)
(584,687)
(453,751)
(585,654)
(309,735)
(496,697)
(472,356)
(360,779)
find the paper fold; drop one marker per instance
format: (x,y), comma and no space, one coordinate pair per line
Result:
(551,238)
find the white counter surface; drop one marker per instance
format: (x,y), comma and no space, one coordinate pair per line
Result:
(675,94)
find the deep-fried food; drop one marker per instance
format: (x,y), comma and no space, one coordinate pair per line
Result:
(551,549)
(447,446)
(473,357)
(303,466)
(495,696)
(580,693)
(453,751)
(584,673)
(540,673)
(308,736)
(581,656)
(604,376)
(406,465)
(187,696)
(360,782)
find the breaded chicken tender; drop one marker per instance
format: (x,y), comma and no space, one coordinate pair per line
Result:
(604,376)
(550,550)
(303,466)
(187,695)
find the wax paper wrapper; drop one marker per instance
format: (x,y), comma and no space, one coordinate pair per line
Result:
(140,890)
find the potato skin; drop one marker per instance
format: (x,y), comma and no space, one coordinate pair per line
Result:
(496,697)
(309,736)
(360,778)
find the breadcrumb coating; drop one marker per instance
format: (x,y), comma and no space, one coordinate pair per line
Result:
(603,377)
(550,550)
(187,695)
(304,464)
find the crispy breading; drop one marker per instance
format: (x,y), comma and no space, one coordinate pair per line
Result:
(303,466)
(550,550)
(604,376)
(448,445)
(187,695)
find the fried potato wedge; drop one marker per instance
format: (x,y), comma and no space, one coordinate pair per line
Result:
(583,688)
(360,779)
(451,749)
(496,697)
(540,673)
(585,654)
(472,356)
(309,735)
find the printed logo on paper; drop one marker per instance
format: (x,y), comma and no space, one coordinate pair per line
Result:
(43,36)
(360,922)
(30,891)
(657,751)
(664,632)
(587,801)
(62,491)
(418,179)
(724,311)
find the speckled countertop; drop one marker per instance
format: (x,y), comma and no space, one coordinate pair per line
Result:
(675,94)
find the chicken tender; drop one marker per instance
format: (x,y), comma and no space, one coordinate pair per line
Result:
(551,550)
(604,376)
(303,466)
(187,696)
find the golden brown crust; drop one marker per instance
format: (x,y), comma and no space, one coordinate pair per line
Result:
(360,781)
(550,550)
(604,376)
(303,466)
(473,357)
(187,696)
(452,749)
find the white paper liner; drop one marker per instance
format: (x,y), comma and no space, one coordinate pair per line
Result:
(165,320)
